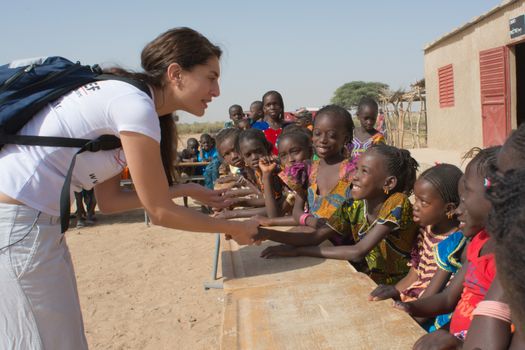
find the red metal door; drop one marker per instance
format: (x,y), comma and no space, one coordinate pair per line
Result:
(495,97)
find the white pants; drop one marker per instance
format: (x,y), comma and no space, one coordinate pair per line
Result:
(39,307)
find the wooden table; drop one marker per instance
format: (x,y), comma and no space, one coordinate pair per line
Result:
(305,303)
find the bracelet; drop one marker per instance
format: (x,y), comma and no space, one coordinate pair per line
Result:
(303,218)
(494,309)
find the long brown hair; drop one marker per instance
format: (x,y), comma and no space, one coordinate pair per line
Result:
(183,46)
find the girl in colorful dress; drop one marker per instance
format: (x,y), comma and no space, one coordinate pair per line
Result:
(436,199)
(366,135)
(471,283)
(378,219)
(331,175)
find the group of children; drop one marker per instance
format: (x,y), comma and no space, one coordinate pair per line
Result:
(430,242)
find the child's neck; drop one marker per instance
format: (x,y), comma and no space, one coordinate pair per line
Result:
(331,160)
(363,134)
(444,227)
(373,206)
(274,124)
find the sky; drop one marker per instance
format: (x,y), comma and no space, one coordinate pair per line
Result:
(304,49)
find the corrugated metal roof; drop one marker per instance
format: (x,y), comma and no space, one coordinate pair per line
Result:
(475,20)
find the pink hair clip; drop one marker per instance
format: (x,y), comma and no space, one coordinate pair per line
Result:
(437,163)
(487,183)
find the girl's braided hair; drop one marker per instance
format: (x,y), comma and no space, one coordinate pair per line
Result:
(253,134)
(225,134)
(506,225)
(399,163)
(445,179)
(516,141)
(484,160)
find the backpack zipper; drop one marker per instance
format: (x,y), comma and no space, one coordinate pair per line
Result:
(15,77)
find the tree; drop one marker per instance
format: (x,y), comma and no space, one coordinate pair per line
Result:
(349,94)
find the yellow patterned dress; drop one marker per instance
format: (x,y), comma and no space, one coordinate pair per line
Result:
(387,261)
(325,206)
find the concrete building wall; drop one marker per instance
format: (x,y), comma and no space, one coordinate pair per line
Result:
(460,127)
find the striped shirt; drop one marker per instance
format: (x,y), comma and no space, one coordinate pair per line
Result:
(424,262)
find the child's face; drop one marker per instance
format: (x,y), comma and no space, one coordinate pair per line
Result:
(229,154)
(272,107)
(429,208)
(467,229)
(329,136)
(256,111)
(367,117)
(251,151)
(192,146)
(290,152)
(236,114)
(474,208)
(370,177)
(206,143)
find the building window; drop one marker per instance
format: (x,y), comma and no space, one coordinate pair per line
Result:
(446,86)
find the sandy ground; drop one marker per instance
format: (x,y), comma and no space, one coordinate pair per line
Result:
(142,287)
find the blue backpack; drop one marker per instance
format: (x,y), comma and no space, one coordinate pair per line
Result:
(27,86)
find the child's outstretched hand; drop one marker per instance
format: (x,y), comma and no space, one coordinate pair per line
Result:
(438,340)
(384,291)
(267,164)
(403,306)
(279,250)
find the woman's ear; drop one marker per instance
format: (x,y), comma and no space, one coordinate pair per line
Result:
(174,74)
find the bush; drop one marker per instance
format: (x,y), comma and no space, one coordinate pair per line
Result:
(199,128)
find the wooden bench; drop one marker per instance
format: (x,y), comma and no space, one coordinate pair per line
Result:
(305,303)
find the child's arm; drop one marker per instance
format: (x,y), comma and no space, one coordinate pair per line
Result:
(296,238)
(273,206)
(249,202)
(387,291)
(438,340)
(487,332)
(437,283)
(356,252)
(298,210)
(441,303)
(279,221)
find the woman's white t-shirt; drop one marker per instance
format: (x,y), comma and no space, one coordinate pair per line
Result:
(34,175)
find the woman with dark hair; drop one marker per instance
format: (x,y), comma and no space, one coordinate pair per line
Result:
(39,308)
